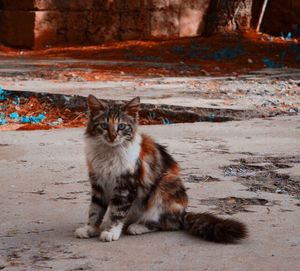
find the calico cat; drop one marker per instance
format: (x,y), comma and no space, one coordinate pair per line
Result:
(135,182)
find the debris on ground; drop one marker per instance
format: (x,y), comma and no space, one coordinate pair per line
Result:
(34,114)
(260,174)
(43,111)
(192,178)
(233,205)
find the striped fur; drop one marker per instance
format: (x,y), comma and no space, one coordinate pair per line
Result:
(135,182)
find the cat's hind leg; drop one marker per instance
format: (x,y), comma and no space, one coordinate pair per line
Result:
(140,228)
(148,220)
(166,222)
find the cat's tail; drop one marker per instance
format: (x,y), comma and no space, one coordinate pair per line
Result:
(213,228)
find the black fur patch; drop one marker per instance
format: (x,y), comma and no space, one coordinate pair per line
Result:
(213,228)
(97,188)
(124,194)
(170,222)
(99,202)
(167,159)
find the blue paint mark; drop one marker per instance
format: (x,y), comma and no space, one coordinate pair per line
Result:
(287,37)
(152,115)
(131,56)
(211,117)
(178,49)
(166,121)
(2,121)
(41,117)
(3,94)
(2,118)
(294,49)
(33,119)
(228,53)
(37,119)
(25,119)
(271,64)
(14,116)
(197,52)
(16,100)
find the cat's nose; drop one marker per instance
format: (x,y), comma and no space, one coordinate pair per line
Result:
(112,137)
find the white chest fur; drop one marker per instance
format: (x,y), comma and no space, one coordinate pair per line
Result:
(110,162)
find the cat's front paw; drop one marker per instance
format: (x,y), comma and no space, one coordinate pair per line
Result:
(135,229)
(107,236)
(86,232)
(112,234)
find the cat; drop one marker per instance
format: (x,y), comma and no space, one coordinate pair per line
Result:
(135,183)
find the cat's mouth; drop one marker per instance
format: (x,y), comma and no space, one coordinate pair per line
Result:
(113,143)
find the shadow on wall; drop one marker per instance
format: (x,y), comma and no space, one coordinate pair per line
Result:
(17,23)
(281,17)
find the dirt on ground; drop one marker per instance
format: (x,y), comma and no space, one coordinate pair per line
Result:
(216,56)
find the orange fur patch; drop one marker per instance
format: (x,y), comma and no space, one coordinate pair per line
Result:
(150,202)
(90,166)
(111,129)
(147,147)
(182,201)
(172,172)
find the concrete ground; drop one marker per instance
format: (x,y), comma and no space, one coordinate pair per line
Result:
(268,89)
(45,194)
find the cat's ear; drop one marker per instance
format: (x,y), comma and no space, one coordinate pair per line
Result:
(132,107)
(95,105)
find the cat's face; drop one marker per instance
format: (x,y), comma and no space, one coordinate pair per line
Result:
(112,123)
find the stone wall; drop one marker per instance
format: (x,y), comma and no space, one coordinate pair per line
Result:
(39,23)
(42,23)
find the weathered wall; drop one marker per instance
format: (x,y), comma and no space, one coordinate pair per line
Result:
(40,23)
(16,25)
(98,21)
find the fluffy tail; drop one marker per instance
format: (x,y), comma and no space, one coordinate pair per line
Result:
(212,228)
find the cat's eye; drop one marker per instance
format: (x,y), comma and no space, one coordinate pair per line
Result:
(103,125)
(121,126)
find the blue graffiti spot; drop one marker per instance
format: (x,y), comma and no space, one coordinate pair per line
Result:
(2,121)
(33,119)
(152,115)
(228,53)
(166,121)
(211,117)
(3,94)
(178,49)
(14,116)
(16,100)
(271,64)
